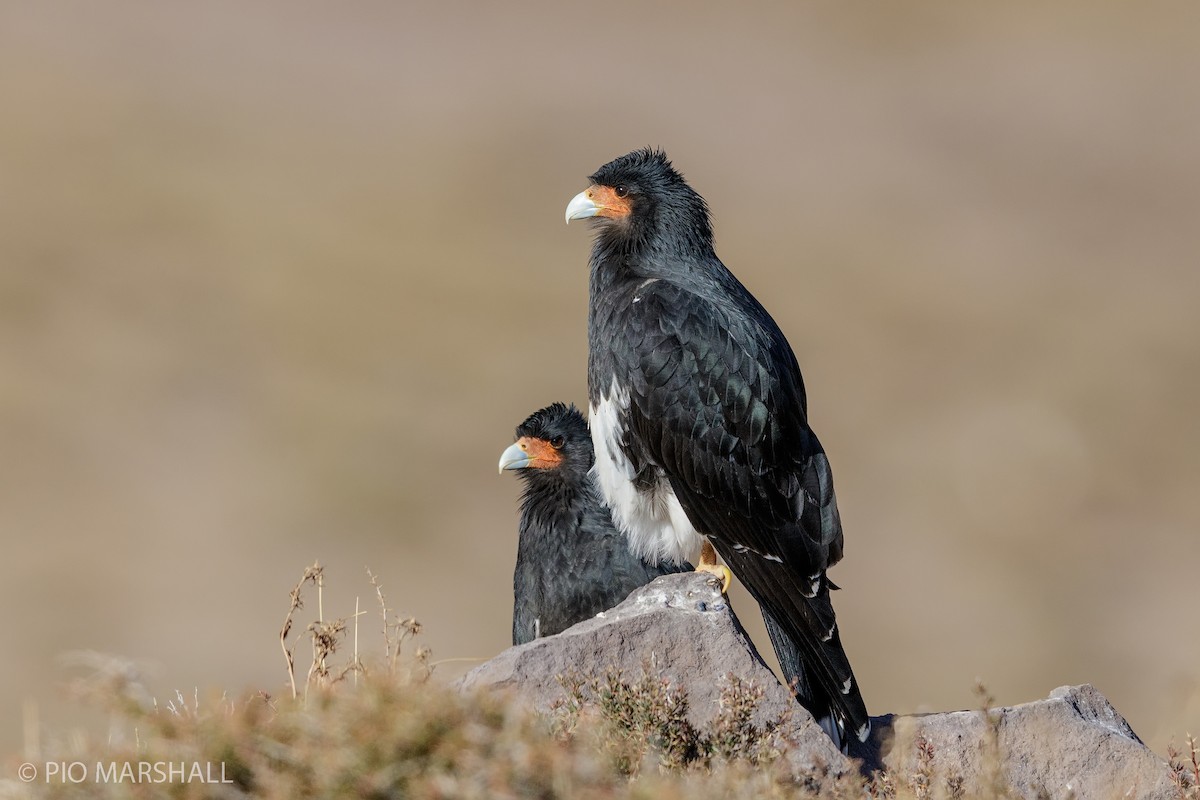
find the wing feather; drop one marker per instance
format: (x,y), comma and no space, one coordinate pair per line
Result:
(717,404)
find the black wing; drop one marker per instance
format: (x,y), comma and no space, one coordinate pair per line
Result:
(717,403)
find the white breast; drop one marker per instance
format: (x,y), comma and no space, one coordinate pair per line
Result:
(652,519)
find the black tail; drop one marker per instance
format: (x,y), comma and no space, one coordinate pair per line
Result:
(812,698)
(800,621)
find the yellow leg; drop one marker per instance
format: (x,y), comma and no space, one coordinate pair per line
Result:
(709,563)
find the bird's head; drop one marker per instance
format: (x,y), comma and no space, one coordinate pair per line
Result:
(640,197)
(554,440)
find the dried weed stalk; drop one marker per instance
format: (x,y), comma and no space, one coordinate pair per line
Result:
(1185,771)
(396,631)
(312,575)
(326,637)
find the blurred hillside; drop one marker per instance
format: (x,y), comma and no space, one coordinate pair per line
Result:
(277,282)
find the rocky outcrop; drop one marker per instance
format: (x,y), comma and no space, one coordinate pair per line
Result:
(682,628)
(1073,744)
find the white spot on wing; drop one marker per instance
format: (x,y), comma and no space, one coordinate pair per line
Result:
(652,519)
(738,547)
(846,686)
(637,293)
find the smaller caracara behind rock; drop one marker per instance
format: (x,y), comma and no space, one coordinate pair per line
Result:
(571,562)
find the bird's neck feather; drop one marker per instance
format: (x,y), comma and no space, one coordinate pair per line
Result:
(654,247)
(549,505)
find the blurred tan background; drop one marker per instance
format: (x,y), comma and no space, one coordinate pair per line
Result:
(277,282)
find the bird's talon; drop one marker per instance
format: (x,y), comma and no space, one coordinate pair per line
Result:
(720,571)
(709,563)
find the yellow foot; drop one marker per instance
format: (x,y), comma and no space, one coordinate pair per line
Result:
(708,563)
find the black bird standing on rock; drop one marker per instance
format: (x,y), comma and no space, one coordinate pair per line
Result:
(571,562)
(699,421)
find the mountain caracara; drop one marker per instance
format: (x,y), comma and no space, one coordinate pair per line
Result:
(699,421)
(571,562)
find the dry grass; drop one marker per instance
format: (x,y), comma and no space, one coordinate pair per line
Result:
(1185,769)
(647,716)
(991,752)
(394,732)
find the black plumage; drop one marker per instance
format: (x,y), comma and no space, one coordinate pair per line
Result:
(571,562)
(697,399)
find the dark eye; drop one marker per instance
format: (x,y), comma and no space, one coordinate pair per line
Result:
(621,191)
(557,442)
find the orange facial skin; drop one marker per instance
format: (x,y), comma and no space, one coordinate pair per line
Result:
(608,203)
(542,454)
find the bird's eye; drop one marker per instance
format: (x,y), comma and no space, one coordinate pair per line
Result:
(622,191)
(557,442)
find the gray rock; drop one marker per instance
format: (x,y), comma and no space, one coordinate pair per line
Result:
(1073,744)
(683,628)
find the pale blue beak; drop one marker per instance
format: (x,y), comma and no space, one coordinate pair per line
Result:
(581,207)
(514,457)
